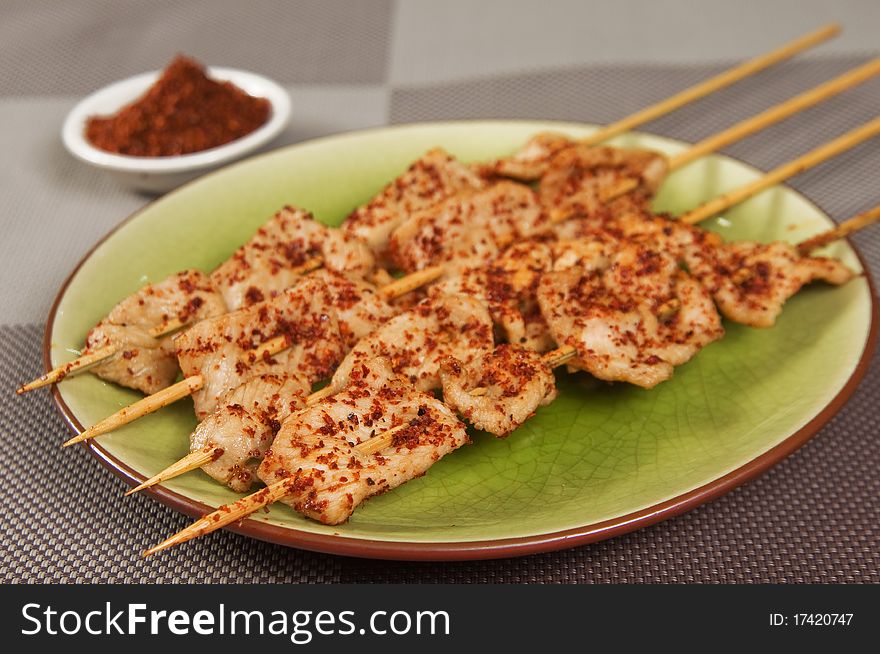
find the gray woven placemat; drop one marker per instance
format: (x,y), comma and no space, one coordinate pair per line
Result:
(813,518)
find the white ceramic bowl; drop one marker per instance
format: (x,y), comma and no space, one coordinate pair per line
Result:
(161,174)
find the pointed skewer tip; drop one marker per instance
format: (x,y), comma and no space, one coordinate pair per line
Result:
(68,443)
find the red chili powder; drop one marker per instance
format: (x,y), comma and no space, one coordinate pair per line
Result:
(184,111)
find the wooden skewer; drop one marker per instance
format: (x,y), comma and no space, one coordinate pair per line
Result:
(714,84)
(380,277)
(775,114)
(227,514)
(166,396)
(380,441)
(317,396)
(80,364)
(411,282)
(843,230)
(191,461)
(90,359)
(783,172)
(141,408)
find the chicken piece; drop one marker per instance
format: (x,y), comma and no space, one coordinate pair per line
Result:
(468,229)
(360,307)
(315,448)
(506,286)
(243,426)
(416,341)
(145,363)
(221,350)
(586,253)
(431,179)
(537,334)
(681,241)
(270,262)
(751,282)
(605,219)
(635,320)
(531,161)
(632,220)
(581,180)
(512,381)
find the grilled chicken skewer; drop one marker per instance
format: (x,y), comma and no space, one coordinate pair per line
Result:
(315,464)
(442,332)
(289,245)
(535,158)
(217,355)
(294,330)
(279,252)
(126,347)
(506,294)
(230,443)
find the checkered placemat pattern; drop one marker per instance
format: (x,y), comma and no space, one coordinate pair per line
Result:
(813,518)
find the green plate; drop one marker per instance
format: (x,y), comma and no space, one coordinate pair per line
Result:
(601,460)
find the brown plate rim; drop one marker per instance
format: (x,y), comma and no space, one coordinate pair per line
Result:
(483,549)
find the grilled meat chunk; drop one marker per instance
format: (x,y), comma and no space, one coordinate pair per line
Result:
(243,426)
(634,320)
(221,350)
(533,160)
(468,229)
(360,307)
(582,180)
(506,286)
(145,363)
(417,340)
(270,262)
(431,179)
(500,390)
(315,448)
(751,282)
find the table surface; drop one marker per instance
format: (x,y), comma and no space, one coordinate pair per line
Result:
(813,518)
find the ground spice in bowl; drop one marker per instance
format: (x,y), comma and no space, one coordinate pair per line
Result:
(185,111)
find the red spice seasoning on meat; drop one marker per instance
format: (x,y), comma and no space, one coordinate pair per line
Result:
(184,111)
